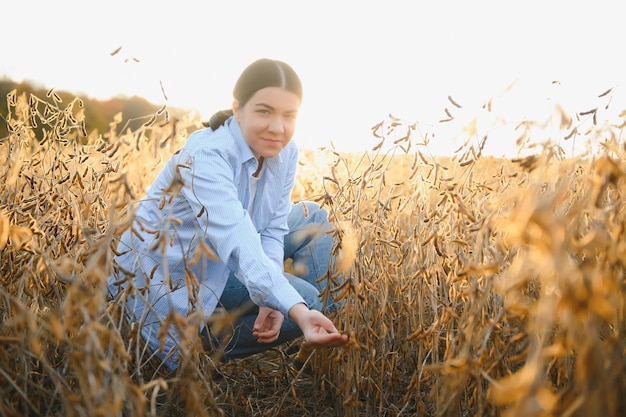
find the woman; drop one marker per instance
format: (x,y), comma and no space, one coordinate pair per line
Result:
(211,230)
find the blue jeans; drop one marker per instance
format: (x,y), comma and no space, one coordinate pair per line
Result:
(312,254)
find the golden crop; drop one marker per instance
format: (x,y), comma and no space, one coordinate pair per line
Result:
(471,285)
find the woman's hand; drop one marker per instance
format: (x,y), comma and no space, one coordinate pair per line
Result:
(318,330)
(267,325)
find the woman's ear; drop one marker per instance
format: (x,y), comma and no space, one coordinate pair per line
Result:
(236,109)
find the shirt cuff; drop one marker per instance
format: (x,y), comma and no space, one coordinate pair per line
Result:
(284,297)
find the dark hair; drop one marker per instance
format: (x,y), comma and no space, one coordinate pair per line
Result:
(260,74)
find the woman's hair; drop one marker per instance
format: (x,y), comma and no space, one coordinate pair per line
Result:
(260,74)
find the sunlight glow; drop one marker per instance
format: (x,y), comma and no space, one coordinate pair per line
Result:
(359,62)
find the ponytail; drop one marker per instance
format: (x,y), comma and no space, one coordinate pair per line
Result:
(218,119)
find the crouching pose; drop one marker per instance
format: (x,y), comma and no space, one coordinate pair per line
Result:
(217,224)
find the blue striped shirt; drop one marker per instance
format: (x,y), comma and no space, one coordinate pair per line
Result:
(200,199)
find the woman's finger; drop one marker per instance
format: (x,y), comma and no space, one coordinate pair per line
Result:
(324,339)
(266,337)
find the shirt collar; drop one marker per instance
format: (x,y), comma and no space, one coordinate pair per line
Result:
(242,145)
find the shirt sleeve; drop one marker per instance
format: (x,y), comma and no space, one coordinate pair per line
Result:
(210,189)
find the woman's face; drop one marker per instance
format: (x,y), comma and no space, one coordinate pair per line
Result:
(268,120)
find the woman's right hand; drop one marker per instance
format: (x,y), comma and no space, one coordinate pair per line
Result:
(318,330)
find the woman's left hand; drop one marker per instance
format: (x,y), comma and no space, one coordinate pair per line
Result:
(318,330)
(267,325)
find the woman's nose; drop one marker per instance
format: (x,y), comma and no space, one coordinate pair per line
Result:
(276,125)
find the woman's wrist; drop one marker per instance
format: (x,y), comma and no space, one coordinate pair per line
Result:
(297,310)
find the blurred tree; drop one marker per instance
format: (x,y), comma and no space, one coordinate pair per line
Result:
(98,113)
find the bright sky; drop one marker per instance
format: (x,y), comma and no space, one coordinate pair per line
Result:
(359,60)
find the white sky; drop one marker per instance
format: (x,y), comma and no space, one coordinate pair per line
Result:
(359,60)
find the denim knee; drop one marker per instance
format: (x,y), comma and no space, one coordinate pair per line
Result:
(307,291)
(307,213)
